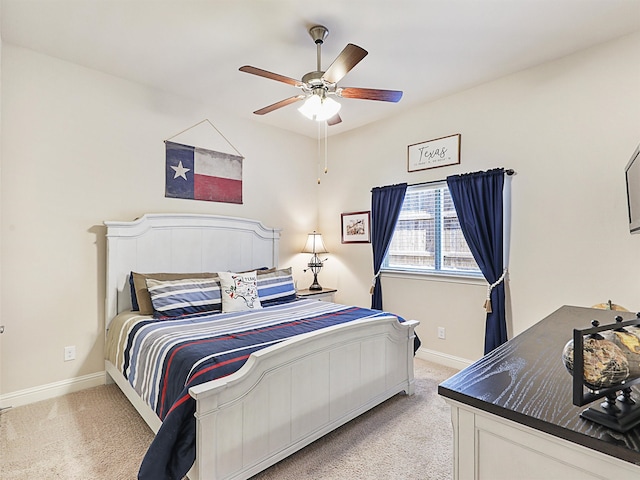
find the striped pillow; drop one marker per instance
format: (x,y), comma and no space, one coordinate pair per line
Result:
(175,298)
(276,287)
(140,300)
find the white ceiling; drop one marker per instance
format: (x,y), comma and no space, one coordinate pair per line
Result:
(426,48)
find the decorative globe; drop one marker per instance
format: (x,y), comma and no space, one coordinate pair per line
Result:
(605,365)
(634,329)
(629,344)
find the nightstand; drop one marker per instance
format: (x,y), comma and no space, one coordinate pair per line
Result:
(326,294)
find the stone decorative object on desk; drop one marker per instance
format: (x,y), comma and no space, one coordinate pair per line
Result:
(605,365)
(602,358)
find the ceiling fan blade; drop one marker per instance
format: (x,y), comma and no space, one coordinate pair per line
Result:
(348,58)
(370,94)
(280,104)
(273,76)
(334,120)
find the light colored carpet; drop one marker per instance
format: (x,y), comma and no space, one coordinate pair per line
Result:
(91,434)
(96,434)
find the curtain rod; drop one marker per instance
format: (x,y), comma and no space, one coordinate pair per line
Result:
(507,172)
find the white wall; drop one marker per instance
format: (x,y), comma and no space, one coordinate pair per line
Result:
(568,128)
(80,147)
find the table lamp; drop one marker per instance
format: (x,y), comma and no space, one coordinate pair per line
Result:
(315,245)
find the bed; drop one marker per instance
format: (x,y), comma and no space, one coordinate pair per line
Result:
(287,393)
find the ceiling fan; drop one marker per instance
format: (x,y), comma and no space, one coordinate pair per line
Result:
(319,86)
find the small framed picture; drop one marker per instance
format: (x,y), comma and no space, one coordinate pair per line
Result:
(356,227)
(439,152)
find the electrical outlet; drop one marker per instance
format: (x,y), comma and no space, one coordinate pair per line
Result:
(441,333)
(69,353)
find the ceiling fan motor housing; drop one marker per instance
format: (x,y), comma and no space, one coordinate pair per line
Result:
(313,79)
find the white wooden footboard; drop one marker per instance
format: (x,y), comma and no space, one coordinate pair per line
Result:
(293,393)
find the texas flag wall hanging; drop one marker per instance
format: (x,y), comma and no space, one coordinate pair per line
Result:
(200,174)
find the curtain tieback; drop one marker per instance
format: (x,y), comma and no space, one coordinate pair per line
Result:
(487,302)
(373,282)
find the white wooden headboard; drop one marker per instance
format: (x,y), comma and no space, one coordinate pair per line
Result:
(180,243)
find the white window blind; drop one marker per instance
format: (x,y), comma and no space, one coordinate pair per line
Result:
(428,237)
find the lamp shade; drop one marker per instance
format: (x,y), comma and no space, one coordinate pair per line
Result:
(319,108)
(314,244)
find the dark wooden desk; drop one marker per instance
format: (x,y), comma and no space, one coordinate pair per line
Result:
(524,381)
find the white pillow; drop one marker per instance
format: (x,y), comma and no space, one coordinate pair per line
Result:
(239,291)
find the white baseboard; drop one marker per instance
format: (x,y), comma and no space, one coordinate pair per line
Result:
(51,390)
(56,389)
(443,358)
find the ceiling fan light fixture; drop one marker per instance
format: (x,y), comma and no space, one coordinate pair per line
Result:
(317,84)
(319,108)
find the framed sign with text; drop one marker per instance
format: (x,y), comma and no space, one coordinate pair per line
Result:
(439,152)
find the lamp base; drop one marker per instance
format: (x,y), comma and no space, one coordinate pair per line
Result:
(315,285)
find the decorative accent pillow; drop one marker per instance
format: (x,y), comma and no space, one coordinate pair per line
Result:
(140,299)
(239,291)
(175,298)
(276,286)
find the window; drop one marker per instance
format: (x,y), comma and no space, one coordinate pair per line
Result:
(428,238)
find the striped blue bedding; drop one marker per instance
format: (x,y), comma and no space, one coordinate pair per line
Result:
(162,359)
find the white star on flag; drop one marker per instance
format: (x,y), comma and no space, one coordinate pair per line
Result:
(180,171)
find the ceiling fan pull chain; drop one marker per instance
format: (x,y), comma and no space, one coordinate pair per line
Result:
(318,154)
(326,149)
